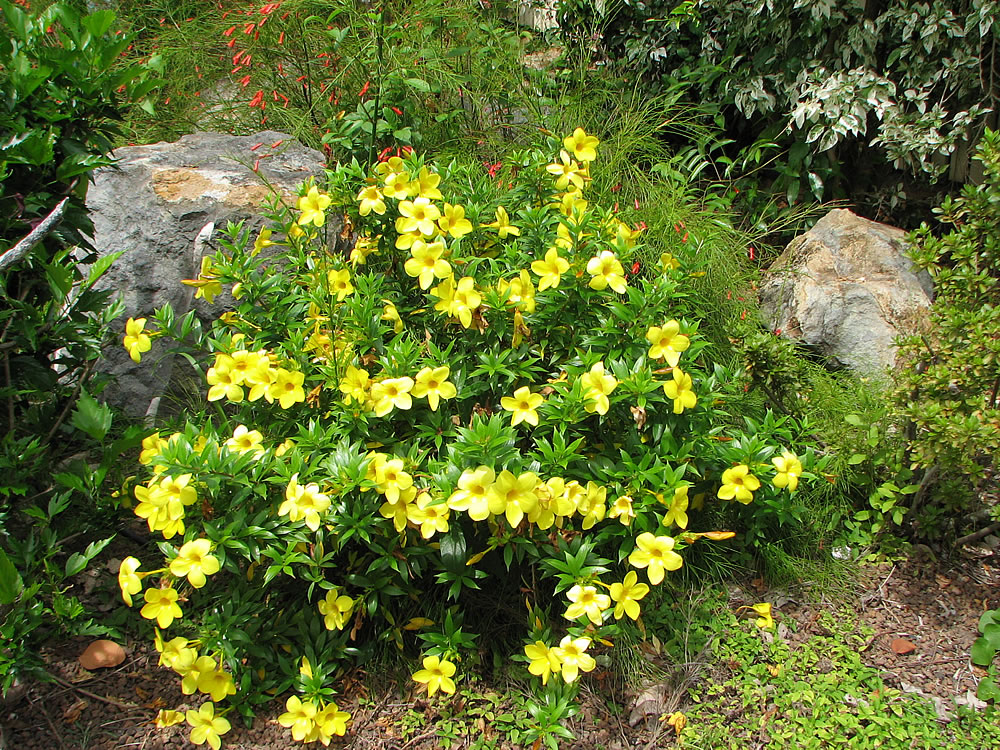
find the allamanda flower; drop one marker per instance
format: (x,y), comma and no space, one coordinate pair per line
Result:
(788,469)
(656,554)
(453,222)
(128,580)
(161,605)
(299,716)
(543,660)
(436,675)
(433,384)
(313,205)
(206,726)
(523,404)
(136,341)
(573,657)
(503,226)
(418,215)
(677,512)
(667,342)
(627,595)
(586,601)
(392,393)
(738,484)
(194,561)
(336,609)
(679,389)
(597,386)
(606,271)
(473,493)
(581,145)
(370,199)
(550,269)
(426,263)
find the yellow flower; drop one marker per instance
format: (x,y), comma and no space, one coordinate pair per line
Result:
(434,384)
(586,601)
(312,205)
(523,405)
(571,653)
(677,512)
(427,184)
(606,271)
(418,215)
(520,292)
(465,300)
(195,562)
(765,620)
(391,315)
(503,226)
(340,283)
(128,581)
(591,506)
(789,469)
(426,263)
(429,518)
(571,205)
(392,393)
(299,716)
(436,674)
(363,247)
(391,480)
(396,184)
(244,366)
(581,145)
(621,509)
(151,447)
(329,721)
(669,262)
(303,503)
(223,381)
(656,554)
(371,200)
(679,389)
(263,240)
(739,484)
(206,726)
(399,510)
(544,661)
(667,342)
(513,496)
(135,341)
(355,385)
(627,595)
(167,718)
(550,270)
(214,682)
(453,221)
(161,605)
(172,650)
(597,386)
(245,440)
(207,284)
(566,171)
(473,493)
(287,388)
(336,609)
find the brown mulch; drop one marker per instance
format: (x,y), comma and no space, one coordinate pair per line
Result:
(933,606)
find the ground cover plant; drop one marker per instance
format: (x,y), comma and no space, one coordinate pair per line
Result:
(485,399)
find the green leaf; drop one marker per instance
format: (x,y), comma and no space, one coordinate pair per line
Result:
(982,652)
(857,458)
(78,560)
(91,417)
(10,580)
(988,690)
(453,548)
(418,84)
(99,22)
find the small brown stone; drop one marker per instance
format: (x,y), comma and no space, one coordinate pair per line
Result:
(902,647)
(101,654)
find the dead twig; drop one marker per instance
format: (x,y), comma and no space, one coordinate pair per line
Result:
(95,696)
(977,535)
(22,248)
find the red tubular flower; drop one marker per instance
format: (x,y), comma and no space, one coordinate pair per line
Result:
(364,89)
(258,100)
(229,31)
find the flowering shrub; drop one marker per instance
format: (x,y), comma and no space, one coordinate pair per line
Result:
(478,390)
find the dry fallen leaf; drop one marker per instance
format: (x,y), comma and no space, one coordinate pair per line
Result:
(72,713)
(101,654)
(902,647)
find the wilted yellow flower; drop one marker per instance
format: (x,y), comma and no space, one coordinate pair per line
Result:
(391,315)
(167,718)
(765,620)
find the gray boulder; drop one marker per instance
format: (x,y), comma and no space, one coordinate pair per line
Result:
(847,289)
(153,203)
